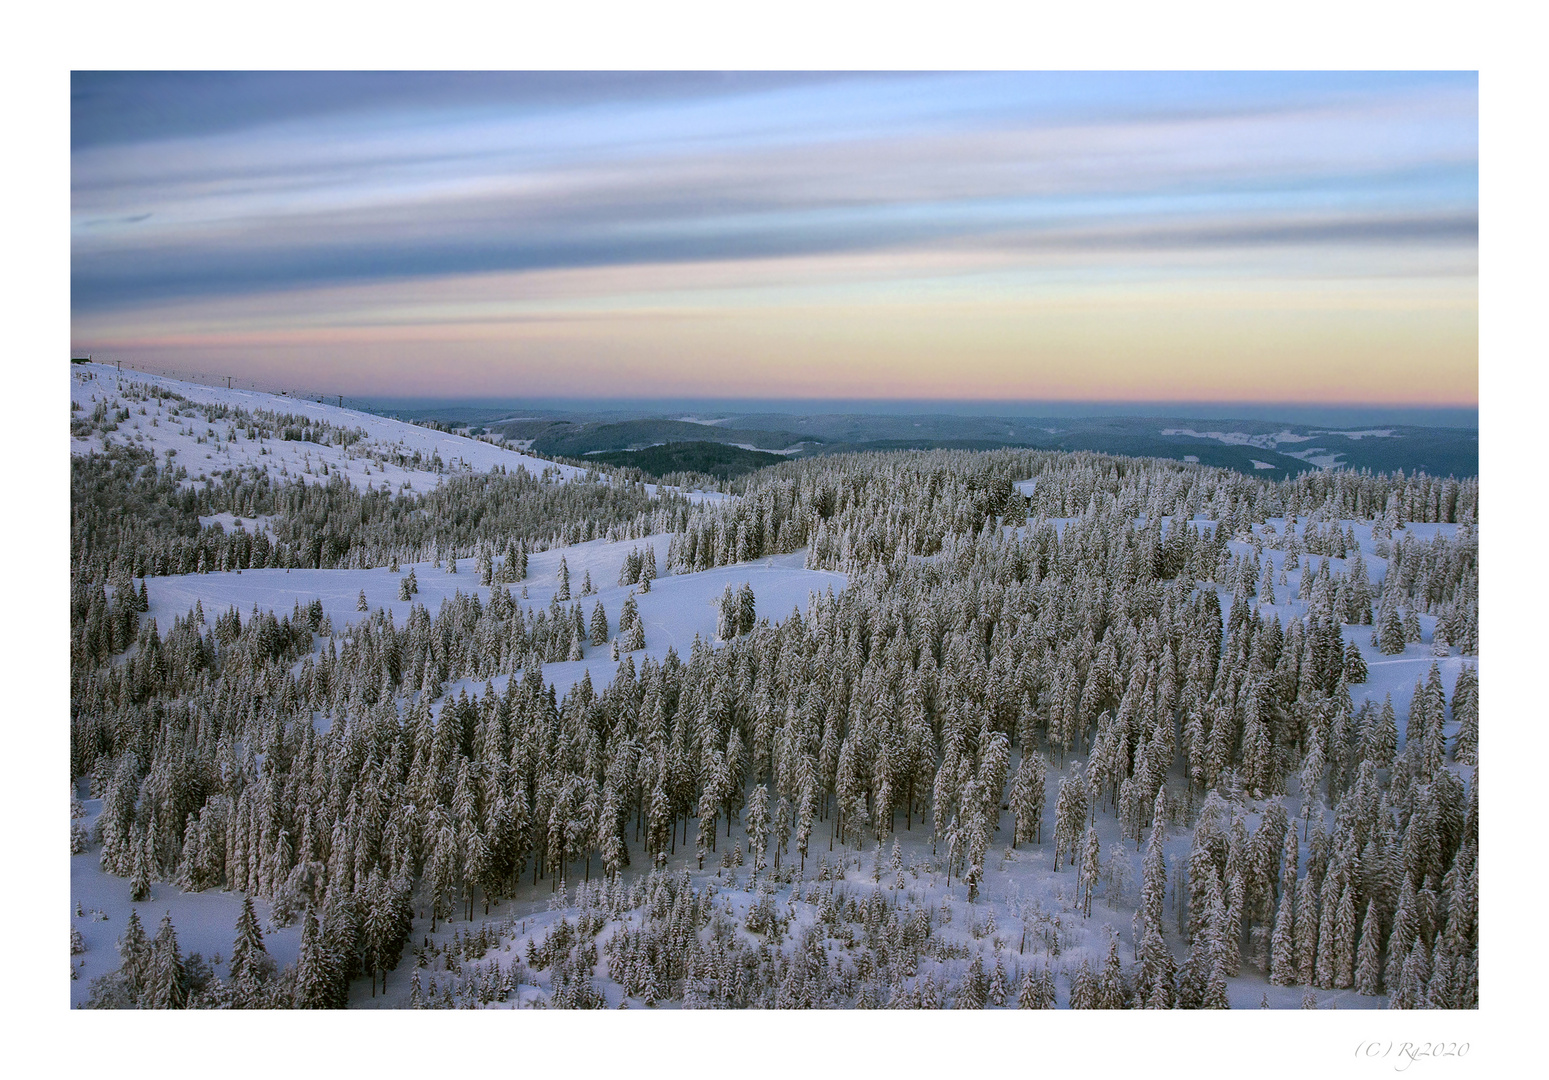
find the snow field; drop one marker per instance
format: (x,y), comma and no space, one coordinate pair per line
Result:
(205,921)
(201,446)
(678,607)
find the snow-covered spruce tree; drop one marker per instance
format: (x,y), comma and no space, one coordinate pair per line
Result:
(1368,966)
(1390,627)
(251,965)
(1027,792)
(629,572)
(1094,638)
(1355,671)
(631,629)
(317,975)
(1090,867)
(747,612)
(134,952)
(78,835)
(726,619)
(1465,710)
(165,980)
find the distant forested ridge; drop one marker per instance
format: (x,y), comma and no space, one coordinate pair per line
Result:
(713,459)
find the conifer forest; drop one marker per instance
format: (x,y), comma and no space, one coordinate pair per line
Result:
(365,714)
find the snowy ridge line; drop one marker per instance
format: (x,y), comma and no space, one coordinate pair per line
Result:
(388,443)
(98,382)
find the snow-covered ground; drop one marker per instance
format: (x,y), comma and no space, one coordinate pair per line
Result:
(1370,433)
(203,446)
(677,608)
(1318,456)
(1395,675)
(205,921)
(1241,438)
(229,522)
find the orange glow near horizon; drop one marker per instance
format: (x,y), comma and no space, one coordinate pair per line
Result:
(964,236)
(964,332)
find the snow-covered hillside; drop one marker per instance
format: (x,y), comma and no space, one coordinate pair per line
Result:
(208,430)
(380,451)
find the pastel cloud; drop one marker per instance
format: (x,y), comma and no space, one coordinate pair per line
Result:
(1156,237)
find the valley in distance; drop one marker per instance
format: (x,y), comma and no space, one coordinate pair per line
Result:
(1438,441)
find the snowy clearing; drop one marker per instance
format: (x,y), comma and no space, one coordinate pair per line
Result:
(1241,438)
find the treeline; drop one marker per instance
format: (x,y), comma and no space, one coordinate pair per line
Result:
(130,519)
(856,509)
(863,511)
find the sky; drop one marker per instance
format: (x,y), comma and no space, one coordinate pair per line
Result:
(964,237)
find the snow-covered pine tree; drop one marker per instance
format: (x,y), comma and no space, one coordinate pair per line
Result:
(1368,965)
(1355,671)
(726,621)
(1027,790)
(1390,626)
(747,611)
(166,985)
(1465,710)
(250,962)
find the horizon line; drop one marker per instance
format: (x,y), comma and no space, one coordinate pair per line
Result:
(1402,413)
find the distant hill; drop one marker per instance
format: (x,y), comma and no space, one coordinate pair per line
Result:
(712,458)
(1267,448)
(574,440)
